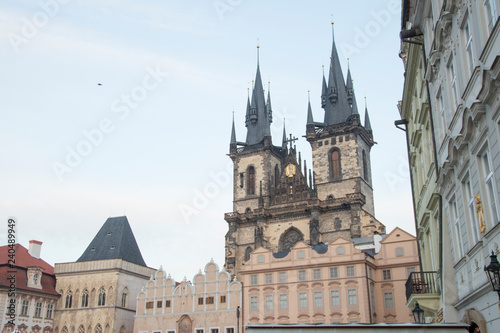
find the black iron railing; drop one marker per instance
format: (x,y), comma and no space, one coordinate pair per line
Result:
(421,283)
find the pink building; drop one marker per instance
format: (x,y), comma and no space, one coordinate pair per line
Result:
(341,282)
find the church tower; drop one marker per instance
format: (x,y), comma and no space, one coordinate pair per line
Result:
(277,200)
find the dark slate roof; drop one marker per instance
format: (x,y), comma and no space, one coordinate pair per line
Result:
(320,248)
(256,131)
(281,254)
(114,240)
(370,252)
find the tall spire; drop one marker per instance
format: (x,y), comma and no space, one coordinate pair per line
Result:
(310,119)
(351,96)
(368,126)
(268,103)
(233,132)
(337,108)
(323,90)
(259,126)
(247,117)
(283,143)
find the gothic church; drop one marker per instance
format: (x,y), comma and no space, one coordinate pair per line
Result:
(277,200)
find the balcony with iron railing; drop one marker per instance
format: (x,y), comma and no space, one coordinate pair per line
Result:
(424,288)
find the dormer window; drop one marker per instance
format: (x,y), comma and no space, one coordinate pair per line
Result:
(35,278)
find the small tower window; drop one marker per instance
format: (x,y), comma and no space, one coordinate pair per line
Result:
(335,163)
(365,167)
(102,297)
(276,175)
(85,298)
(251,180)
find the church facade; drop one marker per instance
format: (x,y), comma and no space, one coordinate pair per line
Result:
(277,200)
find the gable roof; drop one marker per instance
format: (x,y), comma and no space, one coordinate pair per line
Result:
(115,240)
(397,235)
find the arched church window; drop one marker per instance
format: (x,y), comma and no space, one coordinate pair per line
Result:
(276,175)
(251,180)
(85,298)
(98,328)
(335,163)
(64,330)
(69,300)
(247,253)
(81,329)
(102,297)
(290,238)
(365,166)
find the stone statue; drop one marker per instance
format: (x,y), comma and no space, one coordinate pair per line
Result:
(480,215)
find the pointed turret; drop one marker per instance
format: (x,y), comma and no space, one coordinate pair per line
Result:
(259,125)
(268,103)
(368,126)
(348,86)
(233,133)
(323,90)
(310,120)
(247,117)
(337,108)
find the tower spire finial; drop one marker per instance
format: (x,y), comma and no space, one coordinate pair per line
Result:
(258,47)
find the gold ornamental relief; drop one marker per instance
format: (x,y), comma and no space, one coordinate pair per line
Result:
(290,170)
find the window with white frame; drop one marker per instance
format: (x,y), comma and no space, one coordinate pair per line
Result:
(50,309)
(469,51)
(491,13)
(334,272)
(302,275)
(302,300)
(335,297)
(317,274)
(470,203)
(352,297)
(282,277)
(269,302)
(253,279)
(199,330)
(388,300)
(229,329)
(458,230)
(453,83)
(38,310)
(318,299)
(254,303)
(489,182)
(350,271)
(283,301)
(214,330)
(25,307)
(269,277)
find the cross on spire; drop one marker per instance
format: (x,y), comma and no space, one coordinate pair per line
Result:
(291,140)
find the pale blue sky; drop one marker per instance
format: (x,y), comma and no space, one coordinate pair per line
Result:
(166,149)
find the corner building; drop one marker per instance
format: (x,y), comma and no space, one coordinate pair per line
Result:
(277,200)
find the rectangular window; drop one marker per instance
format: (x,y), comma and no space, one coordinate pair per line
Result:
(269,302)
(159,304)
(282,277)
(350,271)
(50,308)
(302,275)
(318,299)
(150,305)
(491,13)
(302,300)
(300,255)
(38,310)
(334,272)
(468,44)
(167,303)
(388,300)
(199,330)
(214,330)
(453,83)
(230,330)
(269,278)
(470,202)
(254,303)
(124,300)
(200,300)
(400,252)
(335,297)
(410,270)
(317,274)
(223,299)
(386,274)
(489,182)
(210,300)
(283,301)
(25,307)
(253,279)
(352,297)
(260,259)
(458,230)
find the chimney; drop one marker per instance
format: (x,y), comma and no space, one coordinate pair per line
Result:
(35,248)
(376,240)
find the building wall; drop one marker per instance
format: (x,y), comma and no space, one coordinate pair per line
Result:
(117,277)
(462,45)
(261,281)
(165,305)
